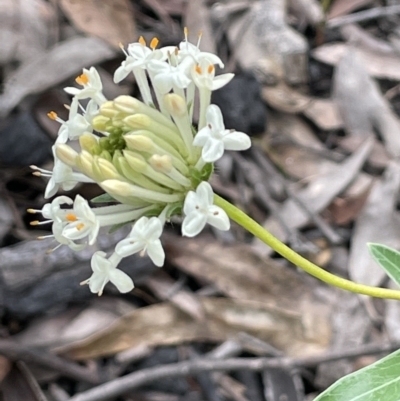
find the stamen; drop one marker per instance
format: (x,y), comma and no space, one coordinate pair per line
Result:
(34,223)
(33,211)
(121,46)
(37,173)
(83,79)
(154,43)
(71,217)
(80,226)
(186,33)
(52,115)
(199,35)
(210,69)
(142,41)
(198,69)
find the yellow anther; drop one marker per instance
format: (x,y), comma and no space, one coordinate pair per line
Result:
(198,69)
(37,173)
(210,69)
(154,43)
(142,41)
(52,115)
(33,211)
(80,226)
(34,223)
(83,79)
(71,217)
(121,46)
(186,32)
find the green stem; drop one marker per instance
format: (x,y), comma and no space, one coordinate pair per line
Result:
(253,227)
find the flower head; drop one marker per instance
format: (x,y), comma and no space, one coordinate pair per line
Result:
(149,156)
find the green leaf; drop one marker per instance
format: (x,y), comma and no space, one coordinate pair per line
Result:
(388,259)
(103,198)
(379,381)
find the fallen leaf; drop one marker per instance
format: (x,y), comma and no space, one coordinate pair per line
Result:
(284,98)
(317,195)
(324,114)
(164,324)
(110,20)
(343,7)
(378,222)
(362,113)
(52,67)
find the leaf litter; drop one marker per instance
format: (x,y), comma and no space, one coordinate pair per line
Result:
(329,153)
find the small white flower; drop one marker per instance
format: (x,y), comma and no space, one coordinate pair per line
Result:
(187,49)
(82,222)
(105,270)
(167,76)
(199,210)
(144,237)
(57,229)
(92,86)
(203,75)
(74,127)
(137,56)
(52,211)
(214,138)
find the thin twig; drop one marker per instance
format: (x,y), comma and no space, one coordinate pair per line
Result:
(363,16)
(16,352)
(139,378)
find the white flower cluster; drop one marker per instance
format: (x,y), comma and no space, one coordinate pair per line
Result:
(148,156)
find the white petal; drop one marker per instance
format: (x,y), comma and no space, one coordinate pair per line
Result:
(214,118)
(163,82)
(221,80)
(94,233)
(202,137)
(121,73)
(218,218)
(128,247)
(100,263)
(190,203)
(205,193)
(97,283)
(236,141)
(154,229)
(156,252)
(140,226)
(121,280)
(193,224)
(72,91)
(212,150)
(211,58)
(51,188)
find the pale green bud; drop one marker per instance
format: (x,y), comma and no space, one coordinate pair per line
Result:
(163,164)
(136,161)
(127,104)
(88,142)
(139,142)
(104,170)
(175,104)
(100,122)
(66,154)
(138,121)
(107,109)
(84,162)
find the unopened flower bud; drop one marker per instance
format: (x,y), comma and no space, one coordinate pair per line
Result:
(127,104)
(138,121)
(84,162)
(100,123)
(139,142)
(66,154)
(88,142)
(107,109)
(163,164)
(104,170)
(175,105)
(135,161)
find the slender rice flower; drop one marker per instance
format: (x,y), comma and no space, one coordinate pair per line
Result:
(148,156)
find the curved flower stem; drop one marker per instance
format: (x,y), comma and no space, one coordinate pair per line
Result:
(253,227)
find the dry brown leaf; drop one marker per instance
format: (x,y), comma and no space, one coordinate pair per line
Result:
(52,67)
(284,98)
(343,7)
(378,222)
(362,105)
(344,210)
(164,324)
(197,19)
(317,195)
(324,114)
(26,29)
(110,20)
(378,65)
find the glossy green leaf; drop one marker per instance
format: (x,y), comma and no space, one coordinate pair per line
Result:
(379,381)
(388,259)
